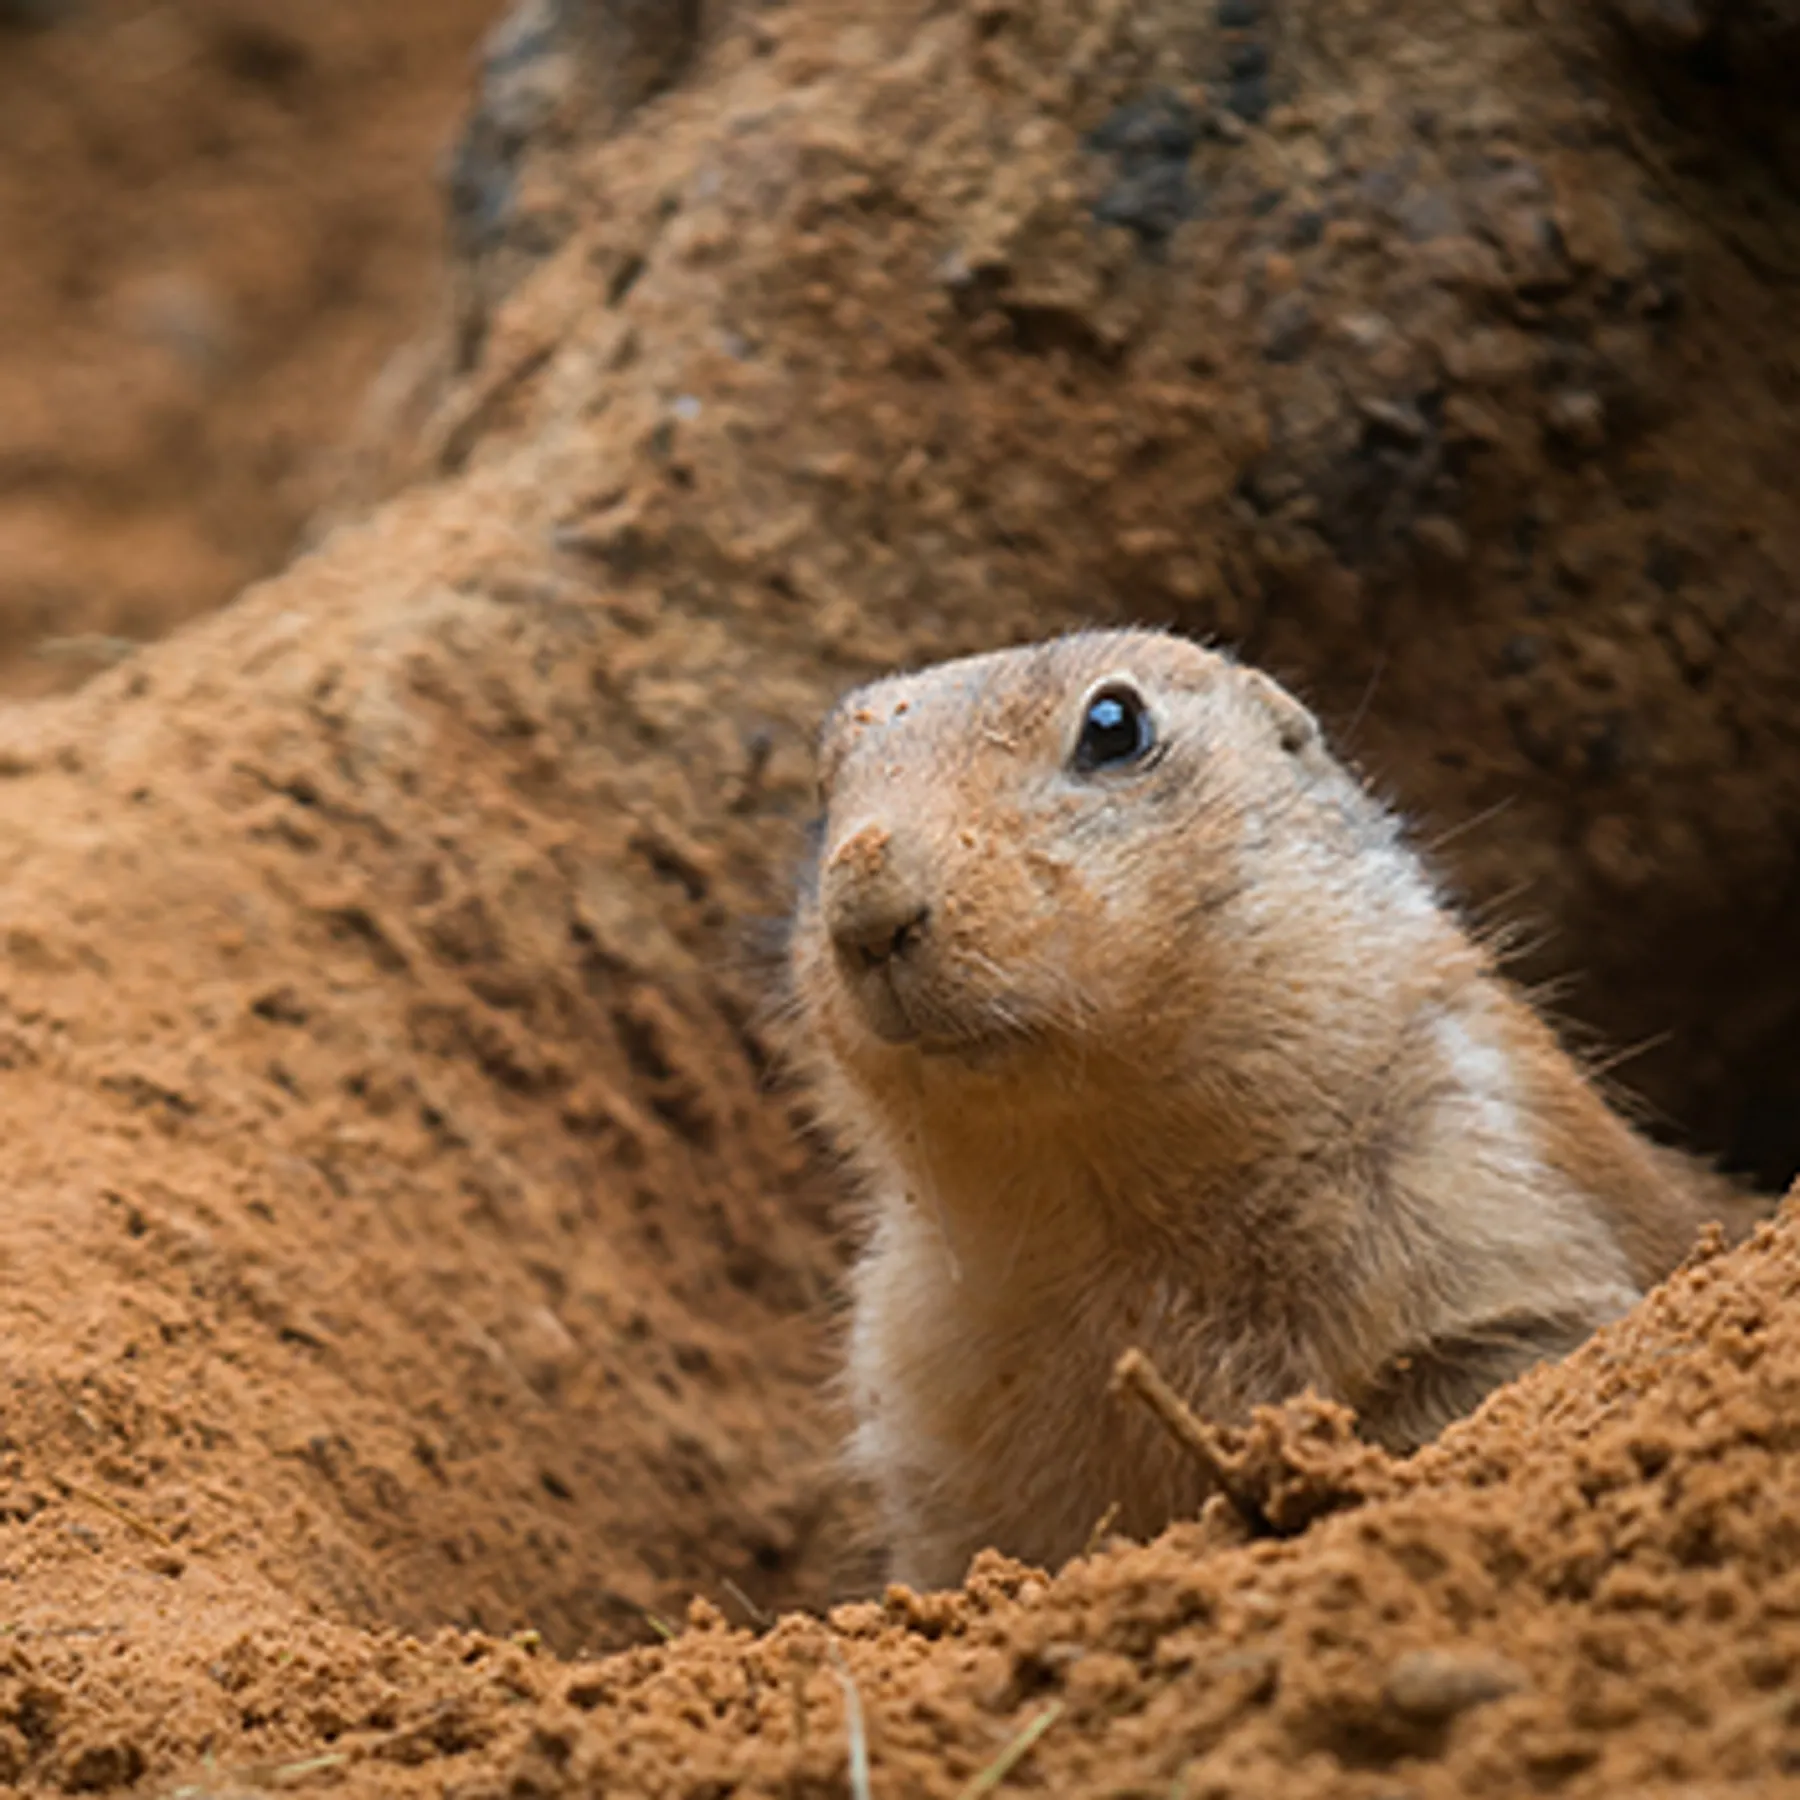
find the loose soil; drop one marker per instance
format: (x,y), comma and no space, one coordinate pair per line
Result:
(419,1283)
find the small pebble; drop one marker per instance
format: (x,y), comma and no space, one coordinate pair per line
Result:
(1249,97)
(1441,540)
(1522,653)
(1578,417)
(1279,273)
(1287,326)
(1431,1686)
(1306,229)
(1468,421)
(1243,61)
(1392,419)
(1614,854)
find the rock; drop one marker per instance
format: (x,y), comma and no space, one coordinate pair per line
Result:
(1428,1687)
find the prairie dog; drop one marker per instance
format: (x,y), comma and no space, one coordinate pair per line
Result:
(1141,1025)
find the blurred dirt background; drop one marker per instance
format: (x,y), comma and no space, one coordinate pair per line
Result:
(221,218)
(416,1281)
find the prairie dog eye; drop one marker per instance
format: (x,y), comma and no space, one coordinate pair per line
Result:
(1116,730)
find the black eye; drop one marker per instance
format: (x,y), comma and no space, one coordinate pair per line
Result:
(1116,730)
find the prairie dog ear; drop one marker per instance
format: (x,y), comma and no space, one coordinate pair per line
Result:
(1296,728)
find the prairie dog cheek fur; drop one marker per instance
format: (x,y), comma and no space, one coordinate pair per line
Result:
(1140,1025)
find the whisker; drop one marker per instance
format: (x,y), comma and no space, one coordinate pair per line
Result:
(1368,695)
(1600,1066)
(1474,822)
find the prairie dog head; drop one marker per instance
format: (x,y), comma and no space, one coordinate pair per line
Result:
(1111,860)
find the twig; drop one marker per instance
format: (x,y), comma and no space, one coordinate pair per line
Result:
(85,646)
(1136,1373)
(289,1773)
(75,1491)
(758,1617)
(1102,1526)
(854,1728)
(1014,1753)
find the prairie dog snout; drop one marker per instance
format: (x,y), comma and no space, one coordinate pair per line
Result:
(874,895)
(1141,1025)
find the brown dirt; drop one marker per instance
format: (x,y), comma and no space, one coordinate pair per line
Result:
(407,1241)
(221,217)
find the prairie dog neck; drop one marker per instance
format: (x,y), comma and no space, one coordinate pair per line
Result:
(1142,1025)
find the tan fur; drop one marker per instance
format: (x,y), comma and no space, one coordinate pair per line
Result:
(1189,1056)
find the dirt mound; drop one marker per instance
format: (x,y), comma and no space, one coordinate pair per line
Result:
(1617,1618)
(396,1215)
(406,1230)
(222,215)
(1621,1615)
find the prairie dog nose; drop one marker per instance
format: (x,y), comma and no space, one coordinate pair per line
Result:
(874,904)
